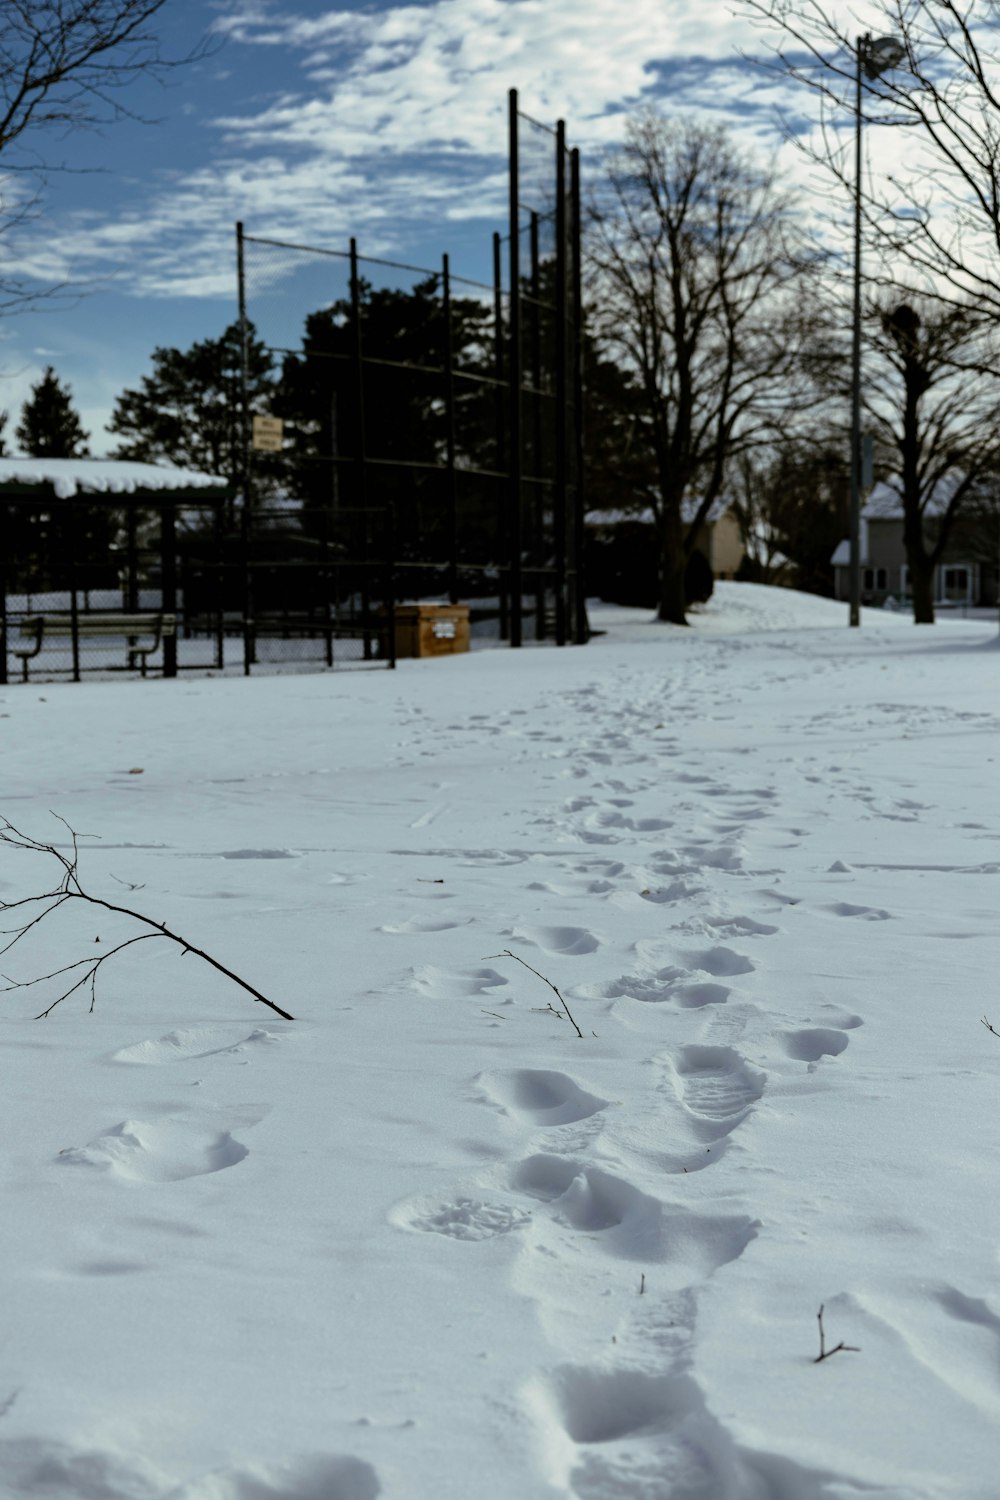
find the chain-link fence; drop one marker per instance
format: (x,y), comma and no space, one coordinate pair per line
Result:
(446,404)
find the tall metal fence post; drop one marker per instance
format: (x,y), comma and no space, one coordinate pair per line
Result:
(168,583)
(361,456)
(449,409)
(536,472)
(389,582)
(514,375)
(74,601)
(246,461)
(501,433)
(561,321)
(581,626)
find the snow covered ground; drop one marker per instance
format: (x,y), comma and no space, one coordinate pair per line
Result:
(426,1243)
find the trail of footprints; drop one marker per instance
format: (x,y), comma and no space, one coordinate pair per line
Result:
(571,1197)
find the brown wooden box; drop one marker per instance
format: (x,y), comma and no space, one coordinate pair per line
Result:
(431,629)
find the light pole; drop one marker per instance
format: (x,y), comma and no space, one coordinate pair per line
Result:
(873,57)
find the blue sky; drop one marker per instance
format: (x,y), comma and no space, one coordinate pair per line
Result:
(313,123)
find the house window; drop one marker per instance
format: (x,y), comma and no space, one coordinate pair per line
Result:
(956,584)
(876,579)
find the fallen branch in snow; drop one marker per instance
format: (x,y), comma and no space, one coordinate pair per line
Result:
(36,908)
(565,1014)
(824,1352)
(989,1027)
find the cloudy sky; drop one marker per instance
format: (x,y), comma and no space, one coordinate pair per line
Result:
(316,122)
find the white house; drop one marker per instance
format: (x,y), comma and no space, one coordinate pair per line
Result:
(963,576)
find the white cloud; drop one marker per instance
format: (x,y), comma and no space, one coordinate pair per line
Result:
(388,124)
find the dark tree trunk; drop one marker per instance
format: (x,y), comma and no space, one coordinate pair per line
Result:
(672,608)
(922,585)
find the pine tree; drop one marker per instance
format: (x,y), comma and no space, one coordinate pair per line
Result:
(49,426)
(187,412)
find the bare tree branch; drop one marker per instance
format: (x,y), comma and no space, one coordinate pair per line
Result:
(69,888)
(565,1008)
(824,1352)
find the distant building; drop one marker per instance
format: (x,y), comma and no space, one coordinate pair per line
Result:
(623,553)
(963,576)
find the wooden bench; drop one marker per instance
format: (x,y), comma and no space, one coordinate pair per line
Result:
(144,632)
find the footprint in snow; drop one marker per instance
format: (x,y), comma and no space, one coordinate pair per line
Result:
(167,1150)
(718,1087)
(320,1477)
(567,942)
(741,927)
(540,1097)
(864,913)
(720,962)
(196,1042)
(814,1042)
(631,1223)
(414,925)
(662,986)
(460,1218)
(452,984)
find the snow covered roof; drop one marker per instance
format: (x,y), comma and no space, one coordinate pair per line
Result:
(885,502)
(116,476)
(842,555)
(613,517)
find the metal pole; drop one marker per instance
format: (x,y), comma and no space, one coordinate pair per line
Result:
(560,327)
(168,583)
(74,602)
(501,455)
(536,536)
(249,644)
(581,625)
(360,462)
(449,410)
(514,374)
(855,517)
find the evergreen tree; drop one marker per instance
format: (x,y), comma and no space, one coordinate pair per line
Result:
(187,412)
(49,427)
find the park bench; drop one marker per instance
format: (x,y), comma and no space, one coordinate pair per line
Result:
(144,632)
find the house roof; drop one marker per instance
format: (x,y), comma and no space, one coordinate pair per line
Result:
(885,502)
(68,476)
(689,509)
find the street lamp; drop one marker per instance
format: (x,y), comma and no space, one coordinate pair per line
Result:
(873,57)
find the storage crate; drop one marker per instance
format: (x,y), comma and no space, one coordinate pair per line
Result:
(431,629)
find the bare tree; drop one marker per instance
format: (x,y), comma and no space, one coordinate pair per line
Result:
(940,210)
(64,65)
(691,257)
(932,404)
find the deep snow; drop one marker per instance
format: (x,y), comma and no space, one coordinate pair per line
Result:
(425,1243)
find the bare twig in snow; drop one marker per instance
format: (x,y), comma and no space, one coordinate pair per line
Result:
(34,909)
(989,1027)
(824,1352)
(565,1013)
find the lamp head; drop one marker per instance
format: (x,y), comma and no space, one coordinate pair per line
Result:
(881,54)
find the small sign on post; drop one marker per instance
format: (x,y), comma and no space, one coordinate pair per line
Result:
(267,434)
